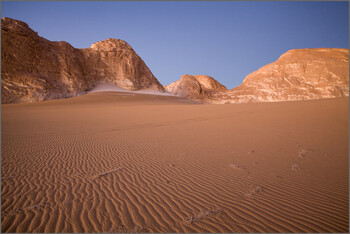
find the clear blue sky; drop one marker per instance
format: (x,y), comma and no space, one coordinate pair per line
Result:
(226,40)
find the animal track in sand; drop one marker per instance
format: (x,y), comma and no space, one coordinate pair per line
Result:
(254,189)
(203,215)
(36,206)
(296,167)
(108,172)
(183,155)
(20,194)
(68,203)
(32,207)
(7,177)
(170,163)
(124,229)
(301,155)
(43,205)
(302,152)
(235,166)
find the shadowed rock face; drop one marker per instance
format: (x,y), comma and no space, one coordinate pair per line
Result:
(36,69)
(198,87)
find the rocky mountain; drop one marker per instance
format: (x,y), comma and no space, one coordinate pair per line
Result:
(299,74)
(34,68)
(197,87)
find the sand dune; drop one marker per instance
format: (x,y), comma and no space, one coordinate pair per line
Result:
(118,162)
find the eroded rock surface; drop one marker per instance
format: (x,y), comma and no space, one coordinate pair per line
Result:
(197,87)
(300,74)
(36,69)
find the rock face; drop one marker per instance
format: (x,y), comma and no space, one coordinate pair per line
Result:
(300,74)
(36,69)
(198,87)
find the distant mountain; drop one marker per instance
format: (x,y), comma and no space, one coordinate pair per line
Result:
(35,69)
(300,74)
(197,87)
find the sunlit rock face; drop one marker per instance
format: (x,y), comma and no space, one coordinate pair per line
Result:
(300,74)
(36,69)
(197,87)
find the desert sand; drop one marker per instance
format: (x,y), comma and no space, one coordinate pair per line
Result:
(122,162)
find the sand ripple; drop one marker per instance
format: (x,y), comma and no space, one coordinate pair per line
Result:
(154,177)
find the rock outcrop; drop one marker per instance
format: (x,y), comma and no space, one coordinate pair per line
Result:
(35,69)
(197,87)
(300,74)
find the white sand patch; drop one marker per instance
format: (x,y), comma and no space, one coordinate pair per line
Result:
(104,87)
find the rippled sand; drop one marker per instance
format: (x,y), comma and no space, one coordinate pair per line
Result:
(118,162)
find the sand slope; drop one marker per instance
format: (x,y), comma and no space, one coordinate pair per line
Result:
(108,162)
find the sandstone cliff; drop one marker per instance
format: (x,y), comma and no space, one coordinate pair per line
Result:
(198,87)
(35,69)
(300,74)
